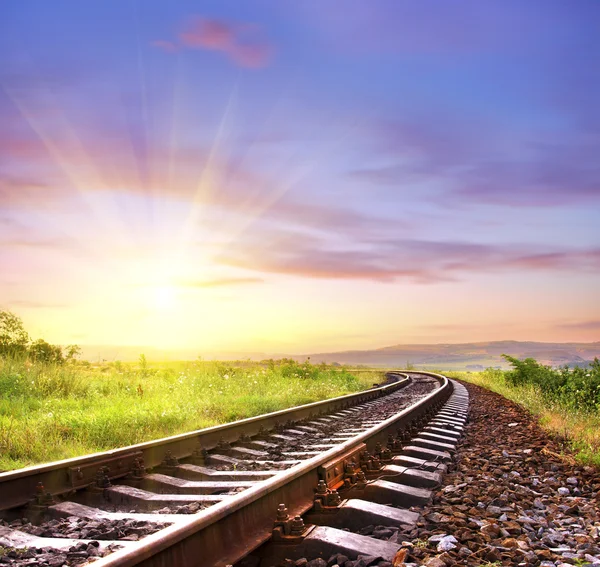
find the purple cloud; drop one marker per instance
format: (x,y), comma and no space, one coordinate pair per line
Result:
(408,28)
(414,260)
(476,168)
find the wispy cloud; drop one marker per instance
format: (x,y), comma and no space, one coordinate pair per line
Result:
(403,259)
(222,282)
(33,242)
(478,169)
(581,325)
(243,43)
(30,304)
(408,28)
(168,46)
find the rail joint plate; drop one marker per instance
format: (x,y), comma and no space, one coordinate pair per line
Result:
(114,467)
(333,472)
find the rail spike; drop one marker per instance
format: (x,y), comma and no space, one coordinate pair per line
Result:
(42,497)
(102,481)
(170,460)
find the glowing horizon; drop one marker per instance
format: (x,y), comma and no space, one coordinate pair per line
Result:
(288,178)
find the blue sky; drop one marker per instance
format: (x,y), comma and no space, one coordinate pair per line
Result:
(300,175)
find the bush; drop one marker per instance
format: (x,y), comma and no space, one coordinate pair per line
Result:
(41,351)
(577,387)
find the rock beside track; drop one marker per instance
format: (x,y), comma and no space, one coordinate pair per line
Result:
(72,528)
(80,528)
(511,499)
(49,557)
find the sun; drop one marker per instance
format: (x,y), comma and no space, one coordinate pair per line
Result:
(163,297)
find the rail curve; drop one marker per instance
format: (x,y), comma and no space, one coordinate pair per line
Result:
(233,524)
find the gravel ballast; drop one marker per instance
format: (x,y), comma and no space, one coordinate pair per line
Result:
(512,498)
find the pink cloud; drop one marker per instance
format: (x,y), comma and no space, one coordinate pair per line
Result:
(209,34)
(252,56)
(244,44)
(396,259)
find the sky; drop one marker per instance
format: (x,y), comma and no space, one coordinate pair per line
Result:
(292,177)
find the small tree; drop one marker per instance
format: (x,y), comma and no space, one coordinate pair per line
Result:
(143,362)
(72,352)
(13,336)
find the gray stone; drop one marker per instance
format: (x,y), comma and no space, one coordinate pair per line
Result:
(57,560)
(447,543)
(337,559)
(383,533)
(368,560)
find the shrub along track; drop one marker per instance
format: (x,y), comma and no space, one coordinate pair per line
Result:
(229,470)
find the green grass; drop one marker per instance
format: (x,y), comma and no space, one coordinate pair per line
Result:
(577,424)
(51,412)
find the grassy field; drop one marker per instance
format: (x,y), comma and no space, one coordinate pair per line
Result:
(577,423)
(50,412)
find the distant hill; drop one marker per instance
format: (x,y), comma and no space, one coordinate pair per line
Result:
(466,356)
(444,356)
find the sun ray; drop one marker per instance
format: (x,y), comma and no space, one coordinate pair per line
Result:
(206,184)
(253,207)
(65,157)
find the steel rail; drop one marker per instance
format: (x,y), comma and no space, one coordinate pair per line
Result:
(18,488)
(227,531)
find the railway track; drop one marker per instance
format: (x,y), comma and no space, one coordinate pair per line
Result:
(283,485)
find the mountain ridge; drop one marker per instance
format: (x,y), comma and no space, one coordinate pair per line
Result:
(473,355)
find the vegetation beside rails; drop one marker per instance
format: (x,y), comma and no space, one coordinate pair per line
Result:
(56,411)
(567,401)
